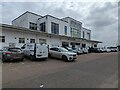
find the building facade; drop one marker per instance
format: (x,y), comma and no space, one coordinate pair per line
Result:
(32,28)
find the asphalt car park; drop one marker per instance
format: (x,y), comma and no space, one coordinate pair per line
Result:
(88,70)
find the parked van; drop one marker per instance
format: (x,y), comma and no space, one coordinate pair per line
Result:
(35,51)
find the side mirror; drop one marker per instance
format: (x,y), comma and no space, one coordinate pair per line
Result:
(22,47)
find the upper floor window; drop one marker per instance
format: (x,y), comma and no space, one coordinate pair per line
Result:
(2,38)
(54,28)
(83,34)
(42,27)
(65,30)
(33,26)
(21,40)
(88,34)
(32,40)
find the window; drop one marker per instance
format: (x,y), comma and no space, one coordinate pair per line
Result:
(5,48)
(74,32)
(71,31)
(33,26)
(83,45)
(21,40)
(2,38)
(65,30)
(54,28)
(88,34)
(95,45)
(42,27)
(15,49)
(32,40)
(83,34)
(54,49)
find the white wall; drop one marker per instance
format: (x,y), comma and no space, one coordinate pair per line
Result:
(85,35)
(33,18)
(22,21)
(0,35)
(10,37)
(61,23)
(41,21)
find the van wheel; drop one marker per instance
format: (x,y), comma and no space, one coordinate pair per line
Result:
(32,57)
(64,58)
(45,59)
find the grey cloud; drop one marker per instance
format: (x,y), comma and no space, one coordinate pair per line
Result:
(101,18)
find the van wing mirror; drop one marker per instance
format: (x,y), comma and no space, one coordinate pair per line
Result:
(22,47)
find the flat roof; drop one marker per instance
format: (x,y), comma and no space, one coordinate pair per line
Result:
(86,28)
(52,17)
(38,32)
(73,19)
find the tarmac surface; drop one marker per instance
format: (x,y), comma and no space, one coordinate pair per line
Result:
(94,70)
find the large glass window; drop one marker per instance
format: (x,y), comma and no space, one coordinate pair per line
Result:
(65,30)
(21,40)
(42,27)
(33,26)
(54,28)
(88,34)
(2,38)
(83,34)
(74,32)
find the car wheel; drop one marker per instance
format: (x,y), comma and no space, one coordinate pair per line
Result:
(22,59)
(64,58)
(3,58)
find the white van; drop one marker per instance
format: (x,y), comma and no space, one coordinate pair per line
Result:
(35,51)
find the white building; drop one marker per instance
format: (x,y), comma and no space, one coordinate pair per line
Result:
(30,28)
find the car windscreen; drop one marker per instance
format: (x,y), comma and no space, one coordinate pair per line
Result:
(70,49)
(63,49)
(74,48)
(15,49)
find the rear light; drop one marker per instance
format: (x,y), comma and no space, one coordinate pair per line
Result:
(8,53)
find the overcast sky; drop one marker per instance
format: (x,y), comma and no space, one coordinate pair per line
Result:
(100,17)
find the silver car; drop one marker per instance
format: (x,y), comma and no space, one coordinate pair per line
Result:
(62,53)
(77,50)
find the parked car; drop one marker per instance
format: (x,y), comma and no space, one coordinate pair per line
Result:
(9,54)
(114,49)
(78,50)
(95,50)
(85,50)
(106,49)
(69,49)
(101,50)
(62,53)
(35,51)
